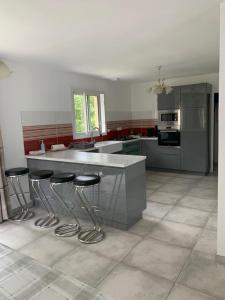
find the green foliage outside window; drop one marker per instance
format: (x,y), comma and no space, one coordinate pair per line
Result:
(93,112)
(92,117)
(79,113)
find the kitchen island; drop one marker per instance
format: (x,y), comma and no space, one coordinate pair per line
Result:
(121,196)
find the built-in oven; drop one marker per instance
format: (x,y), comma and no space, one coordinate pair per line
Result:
(169,119)
(169,137)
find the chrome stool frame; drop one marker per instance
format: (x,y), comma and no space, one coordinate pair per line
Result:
(96,234)
(24,212)
(65,230)
(51,220)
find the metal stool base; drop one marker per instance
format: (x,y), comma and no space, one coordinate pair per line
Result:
(22,216)
(91,236)
(67,230)
(47,222)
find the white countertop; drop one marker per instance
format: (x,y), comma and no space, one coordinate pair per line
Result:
(101,159)
(153,138)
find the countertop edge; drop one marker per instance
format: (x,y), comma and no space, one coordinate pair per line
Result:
(115,165)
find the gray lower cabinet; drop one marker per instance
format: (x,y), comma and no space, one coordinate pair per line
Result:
(170,157)
(161,156)
(150,149)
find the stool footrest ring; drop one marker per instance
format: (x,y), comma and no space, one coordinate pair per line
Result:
(23,215)
(91,236)
(67,230)
(47,222)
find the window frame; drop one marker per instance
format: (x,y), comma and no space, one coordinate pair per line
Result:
(101,114)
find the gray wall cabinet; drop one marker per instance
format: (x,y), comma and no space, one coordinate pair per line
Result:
(170,101)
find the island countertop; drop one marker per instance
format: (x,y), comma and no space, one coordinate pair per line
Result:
(101,159)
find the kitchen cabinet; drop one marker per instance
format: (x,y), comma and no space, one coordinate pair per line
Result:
(164,157)
(169,157)
(132,147)
(150,149)
(170,101)
(193,95)
(195,103)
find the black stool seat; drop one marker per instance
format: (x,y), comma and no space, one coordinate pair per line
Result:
(62,177)
(41,174)
(86,180)
(16,172)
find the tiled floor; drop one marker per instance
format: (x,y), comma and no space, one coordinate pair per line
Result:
(170,254)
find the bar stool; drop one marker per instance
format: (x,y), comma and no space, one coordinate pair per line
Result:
(65,230)
(95,234)
(14,175)
(37,178)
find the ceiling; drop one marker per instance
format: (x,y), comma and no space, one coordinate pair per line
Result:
(124,39)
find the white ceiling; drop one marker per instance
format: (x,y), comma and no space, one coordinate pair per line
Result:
(124,39)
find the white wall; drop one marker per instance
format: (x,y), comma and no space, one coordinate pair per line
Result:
(221,164)
(34,87)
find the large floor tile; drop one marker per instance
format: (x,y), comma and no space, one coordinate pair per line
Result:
(175,233)
(212,222)
(190,176)
(158,258)
(208,184)
(183,180)
(198,203)
(47,249)
(165,198)
(187,216)
(143,227)
(153,185)
(180,292)
(157,210)
(159,178)
(203,193)
(207,242)
(17,237)
(175,188)
(86,266)
(116,244)
(125,283)
(204,274)
(6,225)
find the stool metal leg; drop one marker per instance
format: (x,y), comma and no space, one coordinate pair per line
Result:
(51,219)
(24,213)
(65,230)
(89,236)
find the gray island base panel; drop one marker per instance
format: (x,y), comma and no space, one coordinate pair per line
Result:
(122,196)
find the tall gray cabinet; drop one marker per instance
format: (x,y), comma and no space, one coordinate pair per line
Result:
(194,104)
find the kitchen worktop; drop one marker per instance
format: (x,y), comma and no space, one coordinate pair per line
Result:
(101,159)
(140,138)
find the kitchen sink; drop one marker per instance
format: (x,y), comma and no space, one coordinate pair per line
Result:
(81,146)
(109,146)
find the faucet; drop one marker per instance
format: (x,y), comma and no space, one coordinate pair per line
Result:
(92,134)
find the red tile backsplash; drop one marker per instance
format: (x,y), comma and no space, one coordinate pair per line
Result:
(63,133)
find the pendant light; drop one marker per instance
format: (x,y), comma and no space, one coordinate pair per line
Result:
(4,70)
(160,87)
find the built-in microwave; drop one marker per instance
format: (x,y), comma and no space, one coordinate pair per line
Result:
(169,119)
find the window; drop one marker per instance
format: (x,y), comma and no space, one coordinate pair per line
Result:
(89,114)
